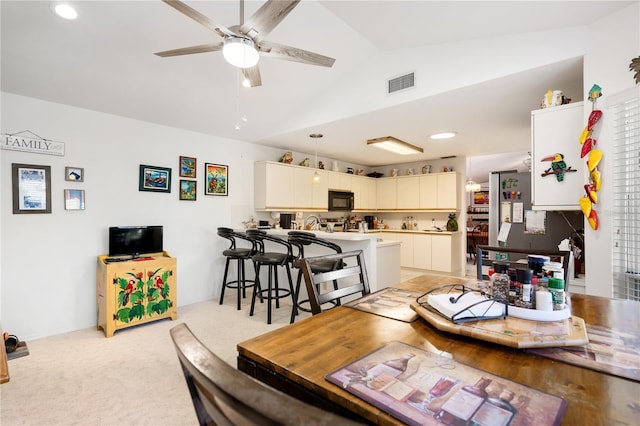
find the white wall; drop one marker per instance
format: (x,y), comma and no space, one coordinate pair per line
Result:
(613,42)
(48,262)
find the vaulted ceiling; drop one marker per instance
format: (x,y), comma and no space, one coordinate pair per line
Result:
(478,70)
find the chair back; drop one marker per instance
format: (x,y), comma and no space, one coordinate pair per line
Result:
(222,395)
(260,237)
(233,236)
(522,253)
(227,233)
(351,278)
(300,239)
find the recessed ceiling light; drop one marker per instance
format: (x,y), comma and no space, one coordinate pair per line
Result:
(443,135)
(65,11)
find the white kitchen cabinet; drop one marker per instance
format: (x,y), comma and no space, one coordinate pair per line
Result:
(428,191)
(448,190)
(557,130)
(408,192)
(433,252)
(406,249)
(439,191)
(441,252)
(364,192)
(422,251)
(340,181)
(279,186)
(386,193)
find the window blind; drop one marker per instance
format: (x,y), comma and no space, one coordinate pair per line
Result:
(625,112)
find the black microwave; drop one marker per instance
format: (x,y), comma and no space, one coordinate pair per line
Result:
(340,201)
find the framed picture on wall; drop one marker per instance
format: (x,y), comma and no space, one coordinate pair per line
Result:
(216,179)
(74,174)
(481,198)
(187,167)
(154,178)
(74,199)
(188,189)
(31,186)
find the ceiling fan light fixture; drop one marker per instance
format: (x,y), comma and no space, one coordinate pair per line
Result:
(240,52)
(65,10)
(395,145)
(443,135)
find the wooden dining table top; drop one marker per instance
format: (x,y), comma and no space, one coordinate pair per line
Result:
(305,352)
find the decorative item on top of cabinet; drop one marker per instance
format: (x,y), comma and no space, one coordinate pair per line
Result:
(287,158)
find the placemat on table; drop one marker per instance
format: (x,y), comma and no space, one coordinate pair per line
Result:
(416,386)
(390,302)
(610,351)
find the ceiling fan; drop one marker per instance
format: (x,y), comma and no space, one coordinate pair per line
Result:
(242,44)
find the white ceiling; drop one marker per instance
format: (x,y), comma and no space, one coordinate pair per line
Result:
(104,61)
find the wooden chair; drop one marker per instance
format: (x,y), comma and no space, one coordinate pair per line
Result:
(300,240)
(522,254)
(223,395)
(351,278)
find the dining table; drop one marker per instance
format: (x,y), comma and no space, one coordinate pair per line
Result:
(297,358)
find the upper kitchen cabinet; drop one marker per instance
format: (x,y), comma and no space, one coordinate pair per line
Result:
(364,193)
(556,167)
(279,186)
(439,191)
(386,192)
(408,193)
(340,181)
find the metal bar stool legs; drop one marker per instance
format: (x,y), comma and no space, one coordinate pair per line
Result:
(273,290)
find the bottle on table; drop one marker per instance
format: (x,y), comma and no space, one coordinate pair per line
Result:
(500,282)
(463,404)
(556,288)
(527,290)
(495,411)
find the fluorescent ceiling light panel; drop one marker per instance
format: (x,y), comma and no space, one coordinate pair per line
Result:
(395,145)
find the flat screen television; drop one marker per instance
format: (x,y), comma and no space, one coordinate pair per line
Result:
(134,240)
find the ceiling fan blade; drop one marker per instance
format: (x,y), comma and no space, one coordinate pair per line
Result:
(202,48)
(253,75)
(200,18)
(267,18)
(294,54)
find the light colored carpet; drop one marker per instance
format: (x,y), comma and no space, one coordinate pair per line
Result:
(132,378)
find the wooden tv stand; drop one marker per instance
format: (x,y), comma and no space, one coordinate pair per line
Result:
(135,291)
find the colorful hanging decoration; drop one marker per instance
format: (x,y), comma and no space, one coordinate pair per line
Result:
(558,167)
(594,156)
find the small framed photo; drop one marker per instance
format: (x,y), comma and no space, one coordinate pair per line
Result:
(74,199)
(31,188)
(216,179)
(74,174)
(187,167)
(154,179)
(188,189)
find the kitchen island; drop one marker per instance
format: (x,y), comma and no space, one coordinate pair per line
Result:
(382,256)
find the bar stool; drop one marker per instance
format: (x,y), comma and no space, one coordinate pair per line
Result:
(239,254)
(300,239)
(272,259)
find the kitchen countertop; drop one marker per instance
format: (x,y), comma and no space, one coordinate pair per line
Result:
(356,236)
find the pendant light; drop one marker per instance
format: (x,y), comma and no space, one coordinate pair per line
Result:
(316,175)
(471,186)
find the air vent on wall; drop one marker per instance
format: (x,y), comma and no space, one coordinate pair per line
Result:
(400,83)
